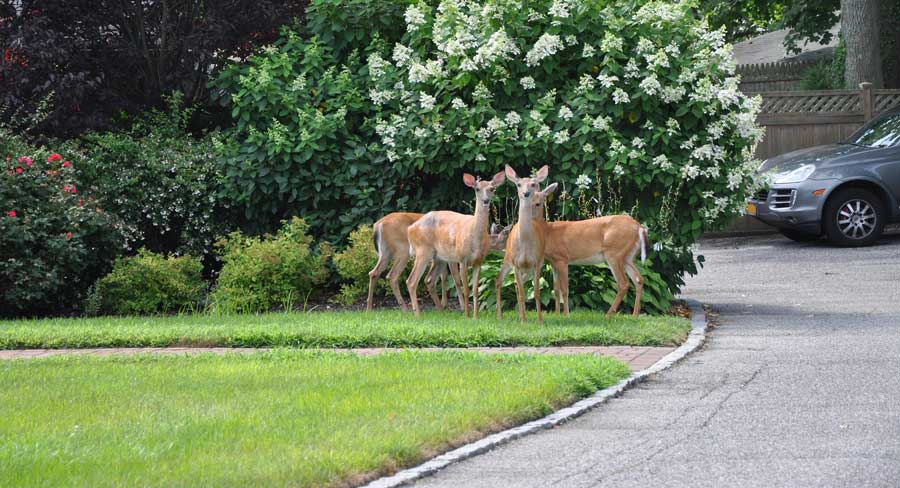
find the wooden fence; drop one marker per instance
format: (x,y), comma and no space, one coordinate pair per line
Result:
(798,119)
(778,76)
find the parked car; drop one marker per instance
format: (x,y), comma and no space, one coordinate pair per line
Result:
(847,191)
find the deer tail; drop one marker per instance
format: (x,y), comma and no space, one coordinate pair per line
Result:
(642,236)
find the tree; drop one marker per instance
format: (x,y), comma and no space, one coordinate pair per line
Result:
(860,25)
(100,58)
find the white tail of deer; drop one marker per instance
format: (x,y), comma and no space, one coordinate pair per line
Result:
(525,245)
(454,238)
(614,239)
(392,246)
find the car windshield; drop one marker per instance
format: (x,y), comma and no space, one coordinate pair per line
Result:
(883,132)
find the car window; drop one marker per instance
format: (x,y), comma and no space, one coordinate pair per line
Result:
(883,132)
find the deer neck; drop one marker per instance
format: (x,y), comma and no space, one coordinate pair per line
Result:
(479,230)
(527,231)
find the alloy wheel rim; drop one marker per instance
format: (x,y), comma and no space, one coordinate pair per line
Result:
(856,219)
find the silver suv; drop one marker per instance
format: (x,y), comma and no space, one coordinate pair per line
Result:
(847,191)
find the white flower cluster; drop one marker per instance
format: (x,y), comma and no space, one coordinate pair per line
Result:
(414,18)
(547,45)
(583,182)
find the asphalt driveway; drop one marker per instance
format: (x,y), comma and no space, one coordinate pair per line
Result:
(798,386)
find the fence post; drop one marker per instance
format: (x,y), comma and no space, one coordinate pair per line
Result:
(866,95)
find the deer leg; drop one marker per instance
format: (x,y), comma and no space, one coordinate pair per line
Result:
(476,270)
(394,278)
(555,289)
(464,271)
(457,283)
(621,282)
(638,281)
(412,282)
(431,282)
(562,272)
(444,285)
(379,268)
(520,293)
(537,292)
(498,284)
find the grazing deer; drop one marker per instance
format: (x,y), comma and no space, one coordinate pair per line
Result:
(614,239)
(392,244)
(454,238)
(525,245)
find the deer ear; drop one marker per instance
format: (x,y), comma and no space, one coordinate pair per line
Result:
(542,173)
(511,174)
(469,180)
(498,179)
(550,189)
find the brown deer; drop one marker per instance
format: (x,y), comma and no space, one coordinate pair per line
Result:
(614,239)
(391,243)
(525,245)
(454,238)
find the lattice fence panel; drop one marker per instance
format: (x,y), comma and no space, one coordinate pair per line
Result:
(885,101)
(813,103)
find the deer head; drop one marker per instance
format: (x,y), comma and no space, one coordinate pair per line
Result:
(484,190)
(527,188)
(540,200)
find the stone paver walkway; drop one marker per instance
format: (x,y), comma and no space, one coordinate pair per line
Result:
(637,358)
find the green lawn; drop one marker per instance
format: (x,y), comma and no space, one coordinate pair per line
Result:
(285,418)
(342,329)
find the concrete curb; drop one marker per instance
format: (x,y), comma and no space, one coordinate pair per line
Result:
(695,339)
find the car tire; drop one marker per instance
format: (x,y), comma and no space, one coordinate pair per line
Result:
(799,235)
(853,217)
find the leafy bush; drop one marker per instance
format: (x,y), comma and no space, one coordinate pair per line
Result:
(160,180)
(260,273)
(591,287)
(640,96)
(151,283)
(54,239)
(354,263)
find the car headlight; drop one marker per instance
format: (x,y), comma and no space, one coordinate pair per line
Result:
(793,176)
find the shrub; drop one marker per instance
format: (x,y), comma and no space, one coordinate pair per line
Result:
(639,97)
(160,180)
(260,273)
(354,263)
(55,241)
(151,283)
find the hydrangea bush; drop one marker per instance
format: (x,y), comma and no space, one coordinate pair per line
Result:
(634,105)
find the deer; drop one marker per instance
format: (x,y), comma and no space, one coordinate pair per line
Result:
(614,239)
(456,239)
(525,245)
(392,245)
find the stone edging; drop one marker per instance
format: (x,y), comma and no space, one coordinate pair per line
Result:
(695,339)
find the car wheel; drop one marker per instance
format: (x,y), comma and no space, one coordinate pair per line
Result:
(798,235)
(853,217)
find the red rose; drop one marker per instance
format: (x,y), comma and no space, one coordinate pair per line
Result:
(19,170)
(12,213)
(54,158)
(26,160)
(68,235)
(73,190)
(66,164)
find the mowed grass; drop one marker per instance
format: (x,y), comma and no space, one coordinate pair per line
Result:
(343,329)
(284,418)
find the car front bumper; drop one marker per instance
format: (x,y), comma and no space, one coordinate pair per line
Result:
(793,205)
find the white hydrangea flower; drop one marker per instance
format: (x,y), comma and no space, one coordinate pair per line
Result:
(619,96)
(560,8)
(565,113)
(481,92)
(571,40)
(611,42)
(561,137)
(496,125)
(414,18)
(601,123)
(426,101)
(689,143)
(417,73)
(735,179)
(607,81)
(535,115)
(402,54)
(585,84)
(690,171)
(588,148)
(650,85)
(458,104)
(547,45)
(587,51)
(377,65)
(480,157)
(672,126)
(671,94)
(631,69)
(420,132)
(662,162)
(380,97)
(527,83)
(637,142)
(583,182)
(391,155)
(618,170)
(498,46)
(513,119)
(543,131)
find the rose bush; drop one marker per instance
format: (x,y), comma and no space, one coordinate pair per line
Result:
(54,239)
(638,99)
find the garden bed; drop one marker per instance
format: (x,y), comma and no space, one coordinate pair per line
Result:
(270,419)
(343,330)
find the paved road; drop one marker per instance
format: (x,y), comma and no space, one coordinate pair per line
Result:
(798,386)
